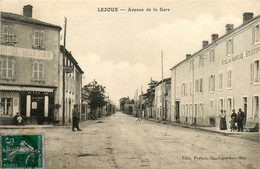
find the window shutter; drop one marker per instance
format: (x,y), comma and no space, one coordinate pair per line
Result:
(5,33)
(213,55)
(0,69)
(43,74)
(253,35)
(36,38)
(42,38)
(201,85)
(213,82)
(15,106)
(251,72)
(32,70)
(13,69)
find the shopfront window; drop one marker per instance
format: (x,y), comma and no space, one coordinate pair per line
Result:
(6,106)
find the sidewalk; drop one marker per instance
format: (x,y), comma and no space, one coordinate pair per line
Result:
(26,126)
(209,129)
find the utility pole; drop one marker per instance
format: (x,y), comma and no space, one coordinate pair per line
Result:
(141,106)
(63,73)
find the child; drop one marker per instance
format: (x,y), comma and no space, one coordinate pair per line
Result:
(232,125)
(20,120)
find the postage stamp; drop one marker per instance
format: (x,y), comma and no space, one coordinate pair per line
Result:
(22,151)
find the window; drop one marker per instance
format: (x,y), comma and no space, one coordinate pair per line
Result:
(255,72)
(255,34)
(187,110)
(201,61)
(38,71)
(6,106)
(198,85)
(230,46)
(7,69)
(229,80)
(212,83)
(221,81)
(38,38)
(8,34)
(256,106)
(211,56)
(191,88)
(191,110)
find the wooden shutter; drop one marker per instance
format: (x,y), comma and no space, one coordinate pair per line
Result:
(15,106)
(13,69)
(251,72)
(253,35)
(209,84)
(36,38)
(42,38)
(213,82)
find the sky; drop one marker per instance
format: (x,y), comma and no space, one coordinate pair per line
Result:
(122,50)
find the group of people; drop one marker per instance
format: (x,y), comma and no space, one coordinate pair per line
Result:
(235,118)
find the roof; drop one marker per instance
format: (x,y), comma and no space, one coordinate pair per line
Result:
(220,38)
(21,18)
(69,55)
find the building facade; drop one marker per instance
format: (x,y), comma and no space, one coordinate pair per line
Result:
(223,75)
(29,53)
(162,100)
(70,85)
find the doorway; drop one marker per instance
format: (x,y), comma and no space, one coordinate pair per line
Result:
(37,108)
(177,107)
(245,109)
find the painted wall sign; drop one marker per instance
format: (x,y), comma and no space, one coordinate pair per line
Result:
(241,56)
(27,53)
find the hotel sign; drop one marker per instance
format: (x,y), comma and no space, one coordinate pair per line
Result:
(241,56)
(26,53)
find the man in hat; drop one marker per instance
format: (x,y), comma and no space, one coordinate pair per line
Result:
(75,117)
(233,120)
(240,119)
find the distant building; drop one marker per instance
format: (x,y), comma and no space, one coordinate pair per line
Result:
(162,100)
(223,75)
(29,53)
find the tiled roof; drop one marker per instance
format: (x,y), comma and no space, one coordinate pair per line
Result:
(21,18)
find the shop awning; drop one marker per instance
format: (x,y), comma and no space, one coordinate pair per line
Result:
(26,89)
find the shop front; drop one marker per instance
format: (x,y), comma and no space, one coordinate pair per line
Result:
(33,103)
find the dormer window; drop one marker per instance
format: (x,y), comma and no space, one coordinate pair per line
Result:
(8,36)
(38,39)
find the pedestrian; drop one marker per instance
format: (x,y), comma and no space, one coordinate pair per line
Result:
(240,119)
(223,123)
(233,120)
(75,117)
(15,118)
(20,120)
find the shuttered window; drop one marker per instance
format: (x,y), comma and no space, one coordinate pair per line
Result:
(38,38)
(229,80)
(38,71)
(230,46)
(7,69)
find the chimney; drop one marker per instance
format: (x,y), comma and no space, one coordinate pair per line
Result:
(188,56)
(214,37)
(205,43)
(27,11)
(247,16)
(229,27)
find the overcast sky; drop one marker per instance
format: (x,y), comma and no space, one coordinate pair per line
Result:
(122,50)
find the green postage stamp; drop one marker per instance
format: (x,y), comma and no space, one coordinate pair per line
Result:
(22,151)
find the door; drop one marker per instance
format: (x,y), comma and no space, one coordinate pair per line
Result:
(37,108)
(245,108)
(177,103)
(195,114)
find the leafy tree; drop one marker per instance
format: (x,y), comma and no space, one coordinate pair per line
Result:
(123,101)
(96,94)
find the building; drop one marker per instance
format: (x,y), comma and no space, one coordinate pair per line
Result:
(162,100)
(29,59)
(223,75)
(70,78)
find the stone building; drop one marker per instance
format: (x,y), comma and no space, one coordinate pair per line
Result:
(223,75)
(29,53)
(70,85)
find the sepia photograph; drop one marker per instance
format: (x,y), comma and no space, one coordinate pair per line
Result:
(129,84)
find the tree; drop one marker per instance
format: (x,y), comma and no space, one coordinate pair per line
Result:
(123,101)
(96,94)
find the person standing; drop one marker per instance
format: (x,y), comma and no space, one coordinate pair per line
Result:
(75,117)
(223,123)
(240,119)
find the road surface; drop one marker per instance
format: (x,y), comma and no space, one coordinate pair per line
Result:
(120,142)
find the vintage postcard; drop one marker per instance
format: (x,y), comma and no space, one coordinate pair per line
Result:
(129,84)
